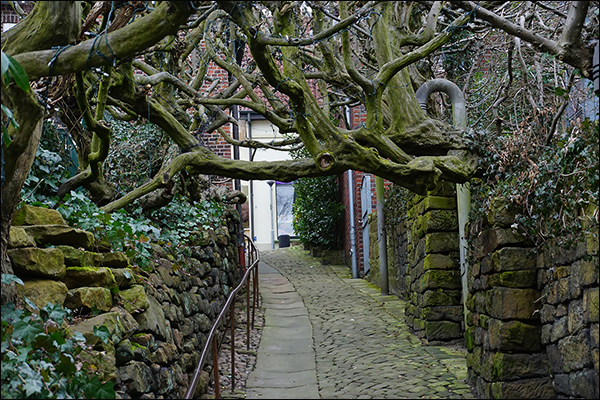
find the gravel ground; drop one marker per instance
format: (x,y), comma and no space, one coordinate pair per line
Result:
(244,359)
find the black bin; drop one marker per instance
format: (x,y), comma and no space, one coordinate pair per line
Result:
(284,241)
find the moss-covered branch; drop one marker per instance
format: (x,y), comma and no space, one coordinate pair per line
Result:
(55,23)
(100,137)
(341,26)
(110,48)
(391,68)
(18,156)
(280,145)
(363,82)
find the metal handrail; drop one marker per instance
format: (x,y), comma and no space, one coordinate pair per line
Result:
(253,259)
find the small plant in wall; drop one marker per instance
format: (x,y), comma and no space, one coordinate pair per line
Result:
(39,360)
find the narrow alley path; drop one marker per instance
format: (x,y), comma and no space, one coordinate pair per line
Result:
(329,336)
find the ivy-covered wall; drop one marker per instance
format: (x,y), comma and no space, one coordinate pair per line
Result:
(157,321)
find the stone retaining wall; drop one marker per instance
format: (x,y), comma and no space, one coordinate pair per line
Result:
(434,310)
(532,321)
(533,315)
(158,320)
(505,358)
(568,281)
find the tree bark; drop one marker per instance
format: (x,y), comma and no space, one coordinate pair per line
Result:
(18,158)
(50,24)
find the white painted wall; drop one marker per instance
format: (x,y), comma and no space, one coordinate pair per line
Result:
(261,213)
(6,26)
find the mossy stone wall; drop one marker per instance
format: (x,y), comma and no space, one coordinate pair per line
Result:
(158,320)
(568,282)
(423,266)
(533,313)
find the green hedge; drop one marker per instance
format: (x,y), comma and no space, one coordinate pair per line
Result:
(316,210)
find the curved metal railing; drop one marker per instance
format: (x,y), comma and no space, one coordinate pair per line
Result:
(251,259)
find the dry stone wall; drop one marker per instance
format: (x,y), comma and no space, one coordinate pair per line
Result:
(505,358)
(533,314)
(532,323)
(433,273)
(158,320)
(568,281)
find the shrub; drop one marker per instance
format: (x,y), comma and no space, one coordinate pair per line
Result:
(316,211)
(553,188)
(55,161)
(133,231)
(180,219)
(123,231)
(136,154)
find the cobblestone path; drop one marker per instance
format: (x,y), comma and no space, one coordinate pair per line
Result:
(362,347)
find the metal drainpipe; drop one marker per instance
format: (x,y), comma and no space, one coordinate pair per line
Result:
(251,205)
(235,113)
(353,254)
(596,69)
(238,186)
(463,193)
(382,238)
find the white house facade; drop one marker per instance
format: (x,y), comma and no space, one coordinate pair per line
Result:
(269,202)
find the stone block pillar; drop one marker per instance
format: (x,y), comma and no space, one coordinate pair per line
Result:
(433,281)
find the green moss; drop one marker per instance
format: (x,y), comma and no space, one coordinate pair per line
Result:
(470,338)
(83,268)
(114,280)
(94,269)
(497,365)
(496,389)
(483,321)
(516,333)
(138,346)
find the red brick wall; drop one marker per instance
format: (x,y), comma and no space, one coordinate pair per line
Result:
(345,235)
(10,16)
(357,116)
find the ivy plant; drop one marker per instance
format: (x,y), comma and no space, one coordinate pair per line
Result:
(39,360)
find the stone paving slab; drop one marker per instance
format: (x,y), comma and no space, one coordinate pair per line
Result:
(281,379)
(290,363)
(285,365)
(282,303)
(287,312)
(276,332)
(300,392)
(289,321)
(288,346)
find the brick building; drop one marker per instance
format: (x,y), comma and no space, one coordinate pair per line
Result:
(10,17)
